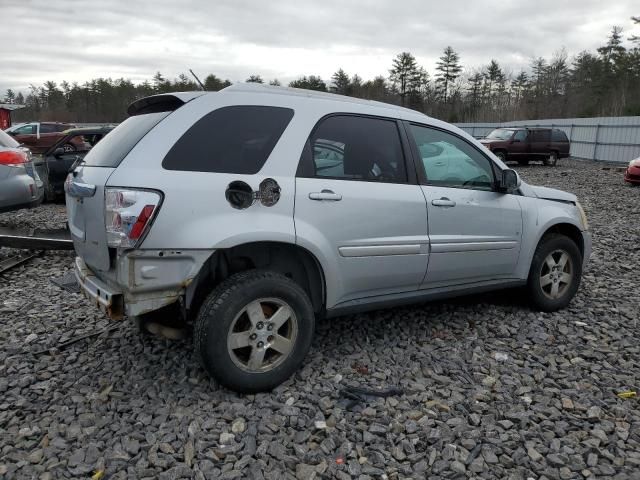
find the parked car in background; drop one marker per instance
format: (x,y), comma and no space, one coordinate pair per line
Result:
(187,210)
(632,174)
(39,136)
(59,160)
(523,145)
(20,185)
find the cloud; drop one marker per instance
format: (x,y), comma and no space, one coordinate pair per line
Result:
(77,41)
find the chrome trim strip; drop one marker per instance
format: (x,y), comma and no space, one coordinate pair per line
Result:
(380,250)
(471,246)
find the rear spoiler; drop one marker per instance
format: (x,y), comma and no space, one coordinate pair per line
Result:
(165,102)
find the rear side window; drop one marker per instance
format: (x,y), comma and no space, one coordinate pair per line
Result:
(48,128)
(119,142)
(559,136)
(236,139)
(540,135)
(349,147)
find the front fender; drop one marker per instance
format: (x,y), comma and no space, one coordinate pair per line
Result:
(548,214)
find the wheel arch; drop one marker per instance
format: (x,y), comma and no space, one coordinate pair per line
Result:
(567,229)
(289,259)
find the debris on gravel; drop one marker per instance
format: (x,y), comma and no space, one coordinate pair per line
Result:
(490,388)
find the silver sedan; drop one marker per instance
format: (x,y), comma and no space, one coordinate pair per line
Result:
(20,186)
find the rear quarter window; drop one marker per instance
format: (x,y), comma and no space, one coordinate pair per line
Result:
(236,139)
(118,143)
(559,136)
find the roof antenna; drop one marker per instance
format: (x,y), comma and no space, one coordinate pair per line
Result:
(198,80)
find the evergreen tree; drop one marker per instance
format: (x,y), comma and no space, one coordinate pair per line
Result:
(309,83)
(403,73)
(10,96)
(449,69)
(254,79)
(340,82)
(635,38)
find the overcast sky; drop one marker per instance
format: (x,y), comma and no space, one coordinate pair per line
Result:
(76,40)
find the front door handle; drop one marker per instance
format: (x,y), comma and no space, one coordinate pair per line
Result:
(443,202)
(325,195)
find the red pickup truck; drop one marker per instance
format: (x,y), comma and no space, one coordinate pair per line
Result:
(522,145)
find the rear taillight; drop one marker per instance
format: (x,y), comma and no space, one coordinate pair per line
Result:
(13,158)
(128,215)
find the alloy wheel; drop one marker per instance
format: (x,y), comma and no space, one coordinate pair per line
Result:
(262,335)
(556,274)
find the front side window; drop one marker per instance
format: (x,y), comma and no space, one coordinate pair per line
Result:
(520,135)
(350,147)
(450,161)
(500,134)
(25,130)
(236,139)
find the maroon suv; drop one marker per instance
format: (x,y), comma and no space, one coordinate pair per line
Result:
(523,145)
(39,136)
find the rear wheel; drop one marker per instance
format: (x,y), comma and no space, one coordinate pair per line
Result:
(551,160)
(555,273)
(254,330)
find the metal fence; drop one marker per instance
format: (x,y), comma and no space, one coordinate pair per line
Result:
(608,139)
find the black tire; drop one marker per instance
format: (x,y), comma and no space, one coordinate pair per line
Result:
(539,297)
(523,162)
(551,160)
(501,155)
(222,310)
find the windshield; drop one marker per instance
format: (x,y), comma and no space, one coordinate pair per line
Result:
(500,134)
(7,141)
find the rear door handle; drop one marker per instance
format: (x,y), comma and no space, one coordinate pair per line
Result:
(325,195)
(443,202)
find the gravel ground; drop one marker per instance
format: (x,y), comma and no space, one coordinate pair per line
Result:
(492,389)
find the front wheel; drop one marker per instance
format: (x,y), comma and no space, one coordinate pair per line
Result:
(555,273)
(254,330)
(501,155)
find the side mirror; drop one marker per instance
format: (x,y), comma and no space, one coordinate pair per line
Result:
(509,181)
(58,152)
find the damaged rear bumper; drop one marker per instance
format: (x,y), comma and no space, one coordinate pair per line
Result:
(109,300)
(141,281)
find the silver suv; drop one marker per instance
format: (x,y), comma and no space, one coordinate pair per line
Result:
(255,210)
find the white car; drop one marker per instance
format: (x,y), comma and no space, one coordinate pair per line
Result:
(253,210)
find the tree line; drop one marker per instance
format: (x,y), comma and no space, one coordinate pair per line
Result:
(601,83)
